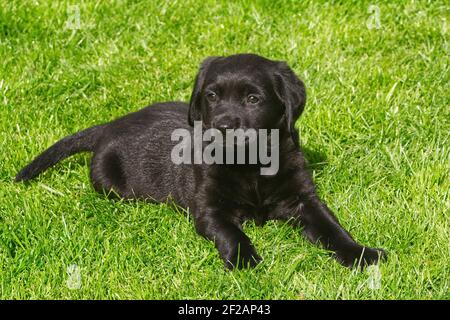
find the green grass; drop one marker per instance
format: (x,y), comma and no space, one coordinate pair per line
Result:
(376,131)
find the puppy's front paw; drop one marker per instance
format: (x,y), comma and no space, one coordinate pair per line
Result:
(360,256)
(242,256)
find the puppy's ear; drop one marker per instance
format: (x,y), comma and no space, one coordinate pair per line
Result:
(291,92)
(195,111)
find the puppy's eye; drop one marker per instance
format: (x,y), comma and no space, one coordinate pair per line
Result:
(252,99)
(211,96)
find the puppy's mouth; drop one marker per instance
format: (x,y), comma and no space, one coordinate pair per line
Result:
(231,138)
(224,129)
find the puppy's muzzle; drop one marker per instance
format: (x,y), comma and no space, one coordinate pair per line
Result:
(225,122)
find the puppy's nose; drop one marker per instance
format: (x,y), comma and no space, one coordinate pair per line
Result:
(223,127)
(225,123)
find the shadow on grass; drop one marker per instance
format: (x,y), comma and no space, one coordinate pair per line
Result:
(315,159)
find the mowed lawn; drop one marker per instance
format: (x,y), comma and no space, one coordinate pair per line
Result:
(375,131)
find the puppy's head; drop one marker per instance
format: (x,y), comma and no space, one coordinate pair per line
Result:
(247,91)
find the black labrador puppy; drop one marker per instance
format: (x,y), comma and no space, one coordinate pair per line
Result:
(132,157)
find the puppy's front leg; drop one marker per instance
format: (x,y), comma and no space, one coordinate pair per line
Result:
(320,225)
(235,248)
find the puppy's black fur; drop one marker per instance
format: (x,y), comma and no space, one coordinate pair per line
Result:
(132,157)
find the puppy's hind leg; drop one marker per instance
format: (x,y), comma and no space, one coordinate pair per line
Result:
(108,175)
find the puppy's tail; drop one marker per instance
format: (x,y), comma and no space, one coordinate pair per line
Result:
(81,141)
